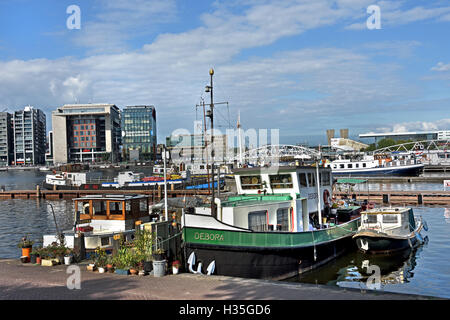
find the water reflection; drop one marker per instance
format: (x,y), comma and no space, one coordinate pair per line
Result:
(447,215)
(351,270)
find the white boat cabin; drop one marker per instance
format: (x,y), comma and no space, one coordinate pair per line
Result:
(66,179)
(275,200)
(392,221)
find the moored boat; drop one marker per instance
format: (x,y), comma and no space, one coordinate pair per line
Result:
(375,166)
(272,228)
(387,230)
(100,217)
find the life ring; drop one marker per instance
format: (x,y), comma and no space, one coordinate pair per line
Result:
(86,205)
(326,197)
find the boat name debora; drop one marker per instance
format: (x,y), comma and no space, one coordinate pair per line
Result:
(208,236)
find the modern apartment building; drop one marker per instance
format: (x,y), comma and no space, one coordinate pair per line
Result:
(29,128)
(139,133)
(49,153)
(6,139)
(86,133)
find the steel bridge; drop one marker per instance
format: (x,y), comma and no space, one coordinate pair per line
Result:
(276,153)
(417,147)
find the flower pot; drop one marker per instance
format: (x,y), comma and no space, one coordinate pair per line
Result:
(67,260)
(175,269)
(38,260)
(133,271)
(122,271)
(33,258)
(148,266)
(91,267)
(24,259)
(48,262)
(101,270)
(26,251)
(110,268)
(159,268)
(142,273)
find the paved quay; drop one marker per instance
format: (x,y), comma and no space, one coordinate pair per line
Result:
(26,281)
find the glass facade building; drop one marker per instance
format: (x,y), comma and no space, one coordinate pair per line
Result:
(139,132)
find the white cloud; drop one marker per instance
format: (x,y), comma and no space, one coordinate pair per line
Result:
(414,126)
(441,67)
(289,89)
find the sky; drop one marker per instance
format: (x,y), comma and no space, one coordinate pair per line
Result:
(297,66)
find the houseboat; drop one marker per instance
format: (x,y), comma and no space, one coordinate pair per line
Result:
(100,217)
(387,230)
(376,165)
(277,225)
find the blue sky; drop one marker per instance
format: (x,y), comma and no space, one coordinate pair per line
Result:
(298,66)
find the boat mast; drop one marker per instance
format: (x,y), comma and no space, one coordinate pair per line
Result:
(319,211)
(240,138)
(211,116)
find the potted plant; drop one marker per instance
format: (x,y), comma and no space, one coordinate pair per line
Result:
(68,256)
(46,255)
(38,255)
(143,243)
(159,264)
(122,261)
(158,255)
(26,246)
(334,208)
(109,264)
(34,255)
(176,266)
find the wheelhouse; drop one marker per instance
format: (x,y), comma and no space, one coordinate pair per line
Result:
(389,220)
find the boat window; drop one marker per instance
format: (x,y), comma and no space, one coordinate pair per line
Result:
(99,208)
(257,220)
(356,165)
(82,207)
(251,182)
(325,178)
(342,166)
(115,207)
(283,219)
(302,179)
(390,218)
(371,218)
(281,181)
(350,165)
(143,205)
(311,179)
(364,165)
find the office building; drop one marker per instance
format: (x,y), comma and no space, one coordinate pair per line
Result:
(191,148)
(86,133)
(6,139)
(29,128)
(139,133)
(49,153)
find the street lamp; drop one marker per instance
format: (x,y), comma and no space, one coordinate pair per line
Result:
(211,116)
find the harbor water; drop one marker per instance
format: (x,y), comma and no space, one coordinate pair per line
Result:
(422,271)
